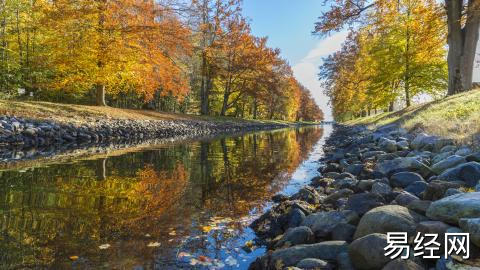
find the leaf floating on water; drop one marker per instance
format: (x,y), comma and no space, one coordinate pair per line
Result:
(147,235)
(153,244)
(172,233)
(184,254)
(73,258)
(207,229)
(104,246)
(249,244)
(204,258)
(193,261)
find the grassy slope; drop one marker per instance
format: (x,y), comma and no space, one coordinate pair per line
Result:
(456,117)
(83,113)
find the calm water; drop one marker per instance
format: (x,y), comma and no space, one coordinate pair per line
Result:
(178,206)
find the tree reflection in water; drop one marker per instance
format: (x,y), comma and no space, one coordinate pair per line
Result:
(193,198)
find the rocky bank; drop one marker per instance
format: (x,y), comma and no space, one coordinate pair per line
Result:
(372,183)
(22,137)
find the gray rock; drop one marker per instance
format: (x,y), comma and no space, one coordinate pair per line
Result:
(436,189)
(471,226)
(441,156)
(364,202)
(416,188)
(296,236)
(464,151)
(370,154)
(403,179)
(388,218)
(344,262)
(467,172)
(355,169)
(365,184)
(388,167)
(400,264)
(328,251)
(403,145)
(451,209)
(448,148)
(307,194)
(314,264)
(436,227)
(405,198)
(381,188)
(345,183)
(420,206)
(323,223)
(367,252)
(447,163)
(387,145)
(295,217)
(337,195)
(343,232)
(452,191)
(474,157)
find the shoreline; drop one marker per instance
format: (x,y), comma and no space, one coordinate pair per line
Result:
(372,183)
(24,140)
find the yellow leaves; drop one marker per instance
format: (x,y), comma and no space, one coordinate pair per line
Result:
(153,244)
(73,258)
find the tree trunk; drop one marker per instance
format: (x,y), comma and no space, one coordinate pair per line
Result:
(390,107)
(100,97)
(470,35)
(255,108)
(462,44)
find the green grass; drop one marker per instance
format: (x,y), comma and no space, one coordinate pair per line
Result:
(456,117)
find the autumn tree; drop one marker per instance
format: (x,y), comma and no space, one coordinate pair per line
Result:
(114,44)
(463,21)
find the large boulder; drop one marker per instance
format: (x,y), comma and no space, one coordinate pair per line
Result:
(452,209)
(401,164)
(388,218)
(323,223)
(342,193)
(367,252)
(296,236)
(447,163)
(419,206)
(403,179)
(466,172)
(364,202)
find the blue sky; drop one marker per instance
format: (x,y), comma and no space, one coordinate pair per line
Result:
(288,24)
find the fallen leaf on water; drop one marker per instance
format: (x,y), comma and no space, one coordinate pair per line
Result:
(249,244)
(73,258)
(206,229)
(104,246)
(153,244)
(172,233)
(183,254)
(147,235)
(204,258)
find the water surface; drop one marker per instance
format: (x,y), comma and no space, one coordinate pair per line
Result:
(169,207)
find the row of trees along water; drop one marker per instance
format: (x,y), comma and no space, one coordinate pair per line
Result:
(195,56)
(396,51)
